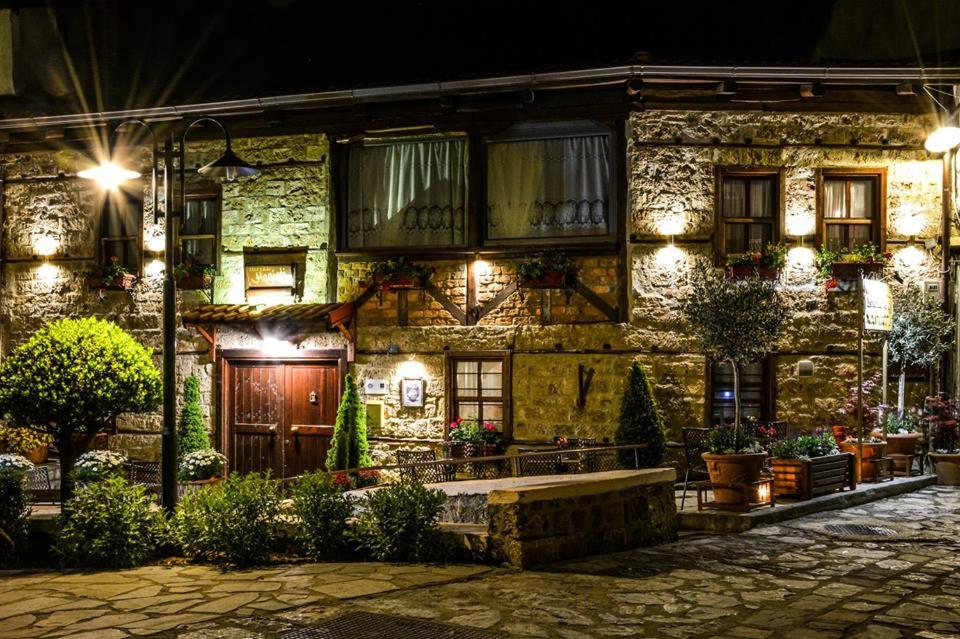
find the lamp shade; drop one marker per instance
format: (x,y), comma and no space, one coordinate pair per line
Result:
(228,167)
(943,139)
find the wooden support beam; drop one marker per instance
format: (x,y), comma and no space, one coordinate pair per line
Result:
(402,308)
(601,304)
(546,308)
(211,338)
(491,304)
(458,313)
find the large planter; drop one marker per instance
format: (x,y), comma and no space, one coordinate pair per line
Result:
(747,271)
(807,478)
(194,282)
(124,282)
(947,466)
(550,279)
(187,487)
(902,444)
(850,271)
(733,469)
(38,455)
(866,469)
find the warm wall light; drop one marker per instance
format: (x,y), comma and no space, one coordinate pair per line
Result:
(481,269)
(274,347)
(910,221)
(800,223)
(673,222)
(800,257)
(411,369)
(943,139)
(669,257)
(156,243)
(45,245)
(154,268)
(909,260)
(109,175)
(47,272)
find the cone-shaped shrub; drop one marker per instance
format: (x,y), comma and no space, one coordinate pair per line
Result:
(193,432)
(348,447)
(640,421)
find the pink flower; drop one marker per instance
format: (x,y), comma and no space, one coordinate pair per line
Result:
(454,425)
(489,426)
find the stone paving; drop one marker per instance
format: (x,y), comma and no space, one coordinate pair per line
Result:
(796,580)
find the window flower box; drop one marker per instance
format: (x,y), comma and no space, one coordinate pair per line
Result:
(808,478)
(546,272)
(765,264)
(549,279)
(399,275)
(124,282)
(850,271)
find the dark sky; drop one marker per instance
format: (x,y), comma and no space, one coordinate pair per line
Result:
(109,54)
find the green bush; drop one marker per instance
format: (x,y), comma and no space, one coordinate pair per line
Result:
(400,523)
(14,512)
(640,421)
(192,435)
(233,522)
(97,465)
(108,524)
(73,377)
(805,447)
(323,509)
(348,447)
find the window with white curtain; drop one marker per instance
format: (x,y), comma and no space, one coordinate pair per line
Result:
(550,181)
(749,211)
(200,229)
(121,228)
(850,210)
(407,193)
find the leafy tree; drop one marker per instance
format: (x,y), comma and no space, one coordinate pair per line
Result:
(72,378)
(920,335)
(14,515)
(348,447)
(192,435)
(641,421)
(736,321)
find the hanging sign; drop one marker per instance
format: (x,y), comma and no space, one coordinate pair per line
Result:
(877,306)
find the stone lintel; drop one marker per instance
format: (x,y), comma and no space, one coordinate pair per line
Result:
(568,486)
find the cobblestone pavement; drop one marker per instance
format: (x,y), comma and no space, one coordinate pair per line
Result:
(797,580)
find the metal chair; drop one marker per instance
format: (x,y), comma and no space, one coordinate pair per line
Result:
(432,474)
(544,464)
(693,447)
(39,484)
(146,474)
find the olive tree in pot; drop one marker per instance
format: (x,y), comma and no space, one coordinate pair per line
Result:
(736,321)
(72,379)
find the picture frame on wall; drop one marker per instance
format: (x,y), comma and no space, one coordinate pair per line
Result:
(411,393)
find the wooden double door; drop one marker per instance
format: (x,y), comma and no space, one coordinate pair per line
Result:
(278,415)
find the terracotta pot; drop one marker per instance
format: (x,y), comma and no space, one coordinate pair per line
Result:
(83,442)
(549,279)
(38,455)
(947,466)
(902,444)
(733,469)
(194,282)
(866,471)
(851,270)
(124,282)
(839,434)
(749,270)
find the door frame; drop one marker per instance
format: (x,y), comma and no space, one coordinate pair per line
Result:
(226,359)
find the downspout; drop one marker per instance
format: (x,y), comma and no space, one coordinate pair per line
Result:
(946,219)
(3,260)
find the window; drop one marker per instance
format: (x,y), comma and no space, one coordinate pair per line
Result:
(550,181)
(121,230)
(748,211)
(851,208)
(755,392)
(480,389)
(409,193)
(200,229)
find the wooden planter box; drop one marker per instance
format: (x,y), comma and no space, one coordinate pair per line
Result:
(125,282)
(749,270)
(187,487)
(194,282)
(398,282)
(807,478)
(851,270)
(550,279)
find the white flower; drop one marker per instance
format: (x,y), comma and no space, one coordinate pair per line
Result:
(202,464)
(98,464)
(9,460)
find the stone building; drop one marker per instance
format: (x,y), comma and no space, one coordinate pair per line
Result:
(633,185)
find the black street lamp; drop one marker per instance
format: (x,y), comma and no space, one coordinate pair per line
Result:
(109,174)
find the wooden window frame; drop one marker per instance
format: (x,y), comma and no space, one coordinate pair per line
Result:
(216,195)
(879,226)
(138,239)
(769,406)
(506,396)
(723,173)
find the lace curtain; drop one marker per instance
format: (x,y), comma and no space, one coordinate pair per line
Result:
(407,194)
(548,188)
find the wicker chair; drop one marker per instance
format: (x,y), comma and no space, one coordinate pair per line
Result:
(39,486)
(693,446)
(545,464)
(432,474)
(146,474)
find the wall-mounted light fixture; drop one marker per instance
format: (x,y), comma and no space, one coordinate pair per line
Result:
(46,246)
(411,369)
(947,135)
(154,268)
(800,224)
(155,243)
(47,272)
(273,347)
(481,269)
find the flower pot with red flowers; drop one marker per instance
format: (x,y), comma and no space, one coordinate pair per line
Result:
(943,417)
(399,274)
(191,276)
(473,439)
(111,276)
(546,271)
(847,264)
(765,264)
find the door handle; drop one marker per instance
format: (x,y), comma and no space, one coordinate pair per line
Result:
(273,429)
(313,397)
(294,429)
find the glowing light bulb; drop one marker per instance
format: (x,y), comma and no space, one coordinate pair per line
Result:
(109,175)
(46,246)
(943,139)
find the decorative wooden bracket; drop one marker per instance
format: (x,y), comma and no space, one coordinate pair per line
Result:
(344,319)
(448,305)
(211,337)
(584,379)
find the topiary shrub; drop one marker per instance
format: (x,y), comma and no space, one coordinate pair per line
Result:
(233,522)
(108,524)
(348,447)
(72,378)
(640,421)
(323,509)
(400,523)
(192,433)
(14,512)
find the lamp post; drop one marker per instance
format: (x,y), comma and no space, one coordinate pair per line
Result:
(109,174)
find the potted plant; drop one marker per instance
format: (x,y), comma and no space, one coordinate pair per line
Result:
(473,439)
(546,271)
(191,276)
(25,441)
(97,465)
(111,276)
(847,263)
(810,465)
(765,264)
(14,461)
(902,432)
(873,446)
(942,415)
(736,321)
(200,468)
(392,275)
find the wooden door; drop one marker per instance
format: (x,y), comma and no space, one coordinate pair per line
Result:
(255,417)
(312,395)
